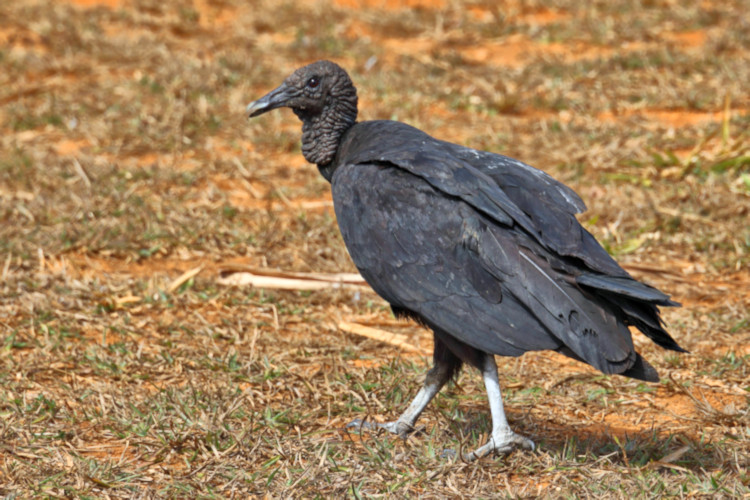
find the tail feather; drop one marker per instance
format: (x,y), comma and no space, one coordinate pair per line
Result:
(638,302)
(658,334)
(626,286)
(641,370)
(646,318)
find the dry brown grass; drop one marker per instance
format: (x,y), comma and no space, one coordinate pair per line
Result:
(126,160)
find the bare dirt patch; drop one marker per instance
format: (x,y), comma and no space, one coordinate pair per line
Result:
(112,4)
(391,4)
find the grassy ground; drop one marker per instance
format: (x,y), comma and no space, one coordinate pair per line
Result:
(126,160)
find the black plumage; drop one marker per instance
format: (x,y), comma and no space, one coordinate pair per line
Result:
(483,249)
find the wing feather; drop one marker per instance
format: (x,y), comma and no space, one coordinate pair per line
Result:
(473,278)
(505,190)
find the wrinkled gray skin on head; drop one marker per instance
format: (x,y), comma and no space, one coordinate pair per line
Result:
(323,96)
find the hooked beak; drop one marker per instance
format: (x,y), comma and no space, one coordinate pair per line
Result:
(277,98)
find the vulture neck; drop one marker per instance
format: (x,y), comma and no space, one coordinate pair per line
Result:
(322,133)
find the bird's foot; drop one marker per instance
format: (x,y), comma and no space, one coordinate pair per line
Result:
(398,427)
(501,442)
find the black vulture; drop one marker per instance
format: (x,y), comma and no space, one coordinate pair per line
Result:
(483,249)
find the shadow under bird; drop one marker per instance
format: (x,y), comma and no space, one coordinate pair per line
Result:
(483,249)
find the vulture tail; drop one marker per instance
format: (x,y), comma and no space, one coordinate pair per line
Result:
(639,304)
(641,370)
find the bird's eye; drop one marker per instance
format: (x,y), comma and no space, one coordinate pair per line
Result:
(313,82)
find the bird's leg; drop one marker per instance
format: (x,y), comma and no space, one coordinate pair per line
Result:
(503,439)
(446,365)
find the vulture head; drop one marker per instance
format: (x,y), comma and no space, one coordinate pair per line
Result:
(323,96)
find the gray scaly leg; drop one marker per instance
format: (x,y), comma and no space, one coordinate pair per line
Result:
(446,366)
(503,439)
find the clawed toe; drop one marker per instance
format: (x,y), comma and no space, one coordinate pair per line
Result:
(358,423)
(401,429)
(501,445)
